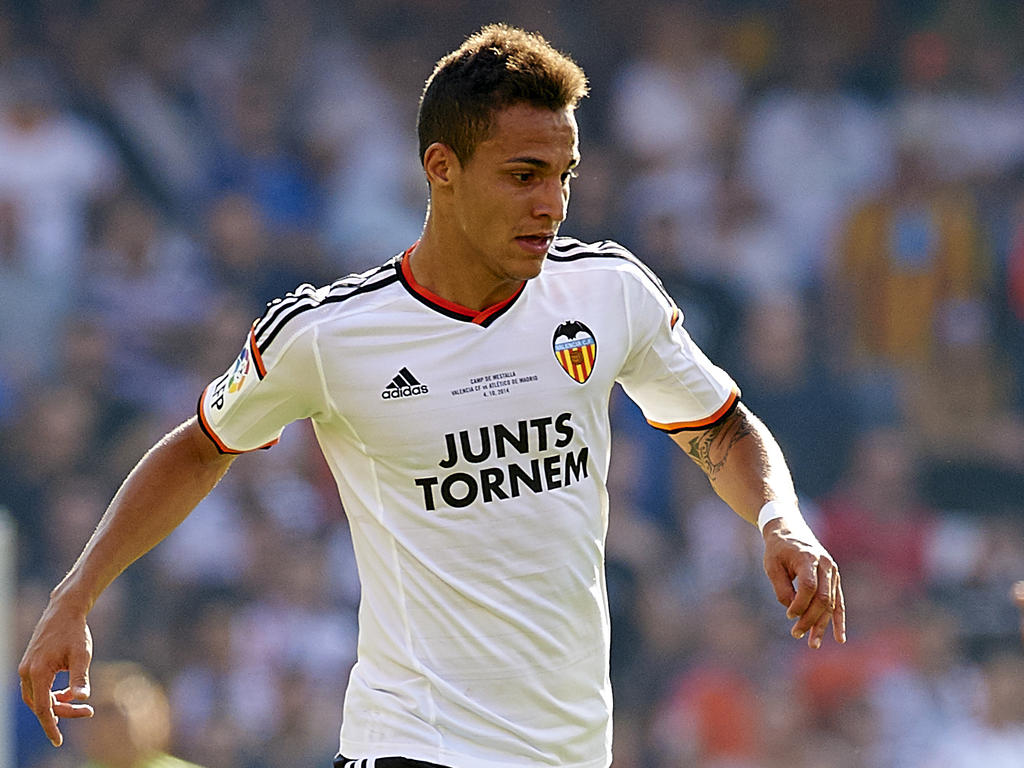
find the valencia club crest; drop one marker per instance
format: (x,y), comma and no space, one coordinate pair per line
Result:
(575,349)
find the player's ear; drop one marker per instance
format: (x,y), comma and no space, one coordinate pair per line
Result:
(440,164)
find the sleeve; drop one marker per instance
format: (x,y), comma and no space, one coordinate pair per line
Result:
(248,407)
(665,373)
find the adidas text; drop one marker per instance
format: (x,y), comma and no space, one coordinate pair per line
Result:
(391,393)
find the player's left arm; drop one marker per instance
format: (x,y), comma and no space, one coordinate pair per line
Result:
(747,470)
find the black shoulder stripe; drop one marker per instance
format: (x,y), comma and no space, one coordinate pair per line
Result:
(280,305)
(277,311)
(307,293)
(575,250)
(329,299)
(282,312)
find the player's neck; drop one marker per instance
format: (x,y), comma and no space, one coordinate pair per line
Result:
(445,268)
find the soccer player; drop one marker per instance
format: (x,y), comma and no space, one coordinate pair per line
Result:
(460,393)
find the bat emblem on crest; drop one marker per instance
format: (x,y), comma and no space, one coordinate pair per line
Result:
(575,349)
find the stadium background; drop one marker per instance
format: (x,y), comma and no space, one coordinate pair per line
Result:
(833,191)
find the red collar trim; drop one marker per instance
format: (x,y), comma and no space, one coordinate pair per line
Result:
(451,308)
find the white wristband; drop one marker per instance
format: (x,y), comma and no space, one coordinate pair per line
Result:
(773,510)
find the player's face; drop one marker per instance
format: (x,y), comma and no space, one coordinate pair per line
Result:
(512,194)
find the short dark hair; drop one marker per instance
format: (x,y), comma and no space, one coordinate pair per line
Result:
(497,67)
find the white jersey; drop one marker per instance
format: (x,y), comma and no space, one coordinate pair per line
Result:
(471,451)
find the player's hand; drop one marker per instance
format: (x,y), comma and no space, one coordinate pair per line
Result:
(794,554)
(61,641)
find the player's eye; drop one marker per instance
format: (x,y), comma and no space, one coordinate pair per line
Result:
(523,176)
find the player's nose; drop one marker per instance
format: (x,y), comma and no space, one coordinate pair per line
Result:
(552,200)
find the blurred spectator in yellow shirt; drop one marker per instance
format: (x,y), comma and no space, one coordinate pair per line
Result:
(132,726)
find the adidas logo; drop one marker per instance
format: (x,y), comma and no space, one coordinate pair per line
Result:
(403,385)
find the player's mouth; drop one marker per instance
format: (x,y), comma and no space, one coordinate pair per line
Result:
(535,244)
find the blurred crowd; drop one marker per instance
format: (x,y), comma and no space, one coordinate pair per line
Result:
(833,192)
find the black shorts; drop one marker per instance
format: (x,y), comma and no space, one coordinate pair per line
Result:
(382,762)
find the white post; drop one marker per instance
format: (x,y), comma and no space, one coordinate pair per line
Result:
(7,661)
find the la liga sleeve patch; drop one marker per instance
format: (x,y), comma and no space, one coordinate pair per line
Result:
(221,397)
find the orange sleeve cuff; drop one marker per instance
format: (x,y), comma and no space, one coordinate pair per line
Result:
(714,418)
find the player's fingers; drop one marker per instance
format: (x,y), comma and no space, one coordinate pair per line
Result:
(818,612)
(48,719)
(72,710)
(839,614)
(26,689)
(817,633)
(78,674)
(806,588)
(35,692)
(781,581)
(69,696)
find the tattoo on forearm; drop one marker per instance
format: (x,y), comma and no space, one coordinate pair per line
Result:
(710,449)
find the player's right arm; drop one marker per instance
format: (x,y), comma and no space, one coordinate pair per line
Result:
(275,380)
(159,493)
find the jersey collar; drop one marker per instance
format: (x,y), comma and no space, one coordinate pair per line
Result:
(483,318)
